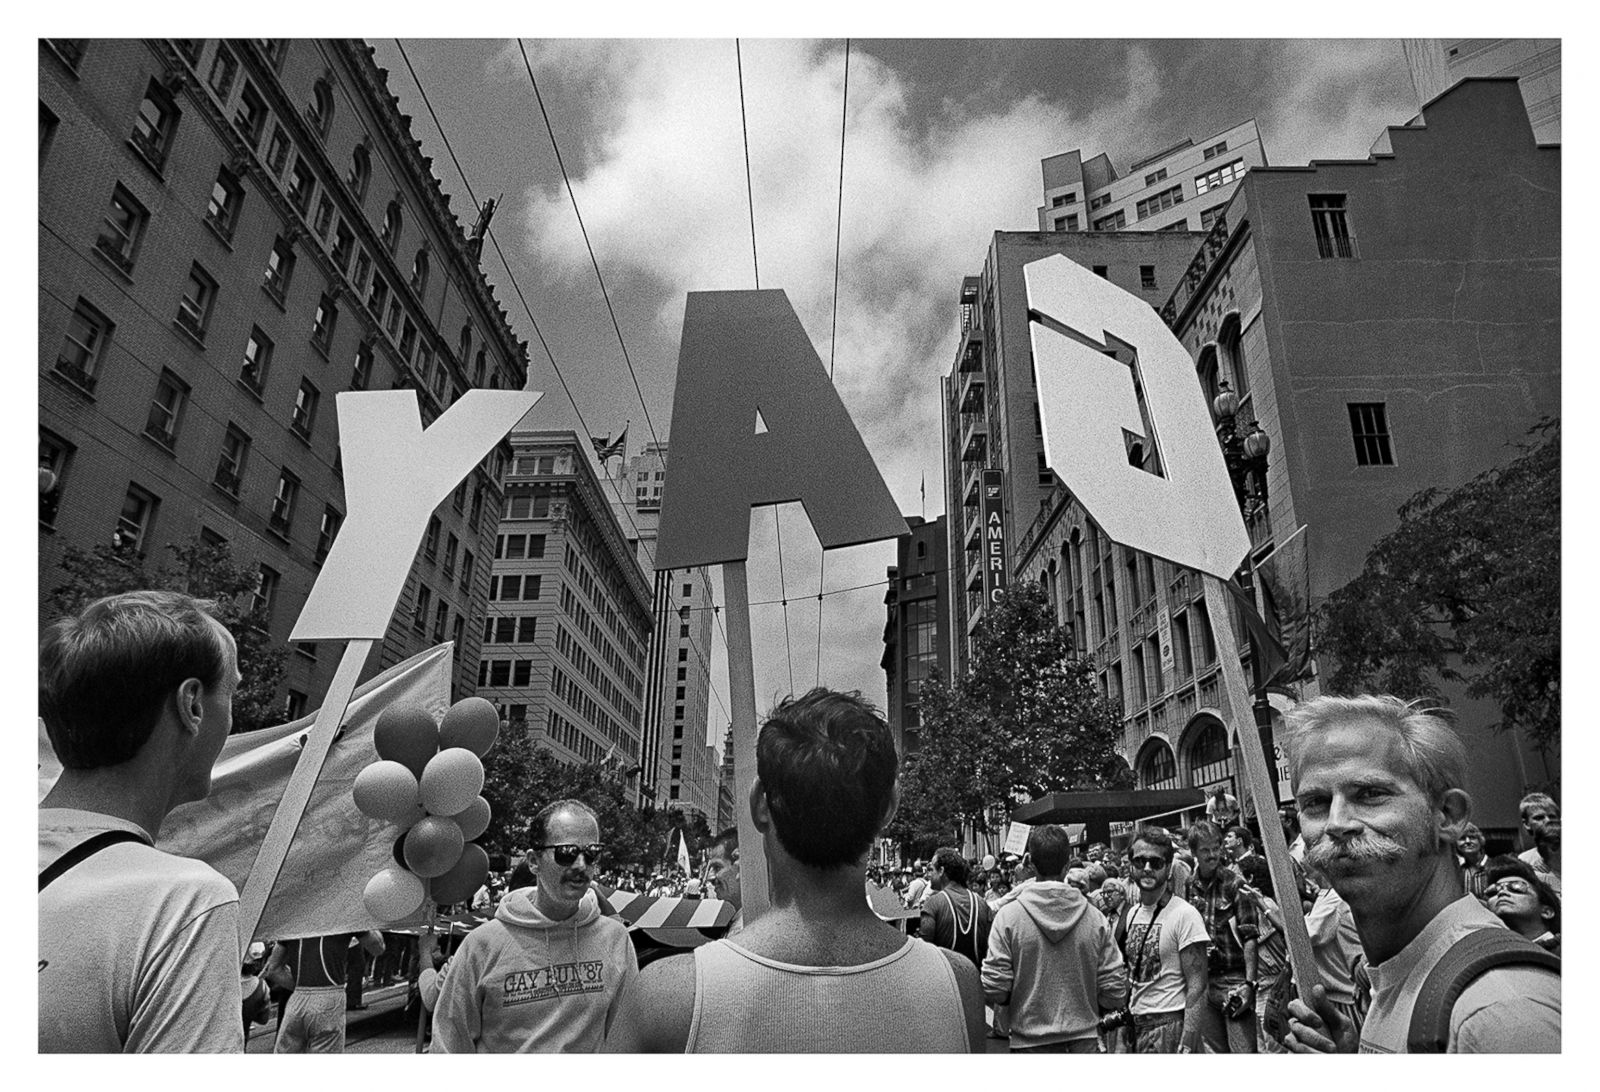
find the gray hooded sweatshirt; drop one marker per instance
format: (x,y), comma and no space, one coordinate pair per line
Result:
(1053,959)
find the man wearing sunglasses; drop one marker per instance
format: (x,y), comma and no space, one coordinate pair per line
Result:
(1164,942)
(1516,895)
(547,974)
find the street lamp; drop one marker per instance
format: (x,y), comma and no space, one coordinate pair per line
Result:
(1246,459)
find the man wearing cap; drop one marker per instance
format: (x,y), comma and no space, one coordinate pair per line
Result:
(548,973)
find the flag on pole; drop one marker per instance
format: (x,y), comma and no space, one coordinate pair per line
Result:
(683,852)
(605,449)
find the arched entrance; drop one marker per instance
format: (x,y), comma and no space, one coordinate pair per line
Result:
(1207,758)
(1157,766)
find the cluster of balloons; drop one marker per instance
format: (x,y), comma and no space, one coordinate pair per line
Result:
(427,779)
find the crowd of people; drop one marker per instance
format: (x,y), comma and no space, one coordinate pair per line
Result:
(1175,945)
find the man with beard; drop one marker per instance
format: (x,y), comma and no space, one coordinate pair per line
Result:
(1541,821)
(1378,783)
(1229,1025)
(1470,847)
(1164,942)
(547,975)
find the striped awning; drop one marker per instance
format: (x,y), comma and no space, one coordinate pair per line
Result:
(669,911)
(887,905)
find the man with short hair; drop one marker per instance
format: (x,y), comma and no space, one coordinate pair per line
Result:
(138,949)
(1237,844)
(1229,1025)
(1164,941)
(919,888)
(1378,782)
(1472,860)
(548,974)
(722,873)
(1222,807)
(1052,958)
(1526,904)
(1541,821)
(954,917)
(818,971)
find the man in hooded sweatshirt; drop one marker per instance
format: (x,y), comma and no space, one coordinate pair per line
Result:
(547,974)
(1053,957)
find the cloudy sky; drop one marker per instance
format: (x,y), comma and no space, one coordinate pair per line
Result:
(942,143)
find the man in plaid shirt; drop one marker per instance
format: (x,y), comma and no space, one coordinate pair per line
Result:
(1229,1022)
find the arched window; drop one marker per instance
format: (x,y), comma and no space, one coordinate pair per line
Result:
(1207,368)
(360,170)
(479,366)
(419,271)
(1158,769)
(1210,761)
(322,106)
(465,351)
(1230,345)
(392,220)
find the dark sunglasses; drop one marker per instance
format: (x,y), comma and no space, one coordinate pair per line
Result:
(1153,864)
(567,854)
(1510,887)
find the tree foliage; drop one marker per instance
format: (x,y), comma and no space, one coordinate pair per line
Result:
(206,571)
(1471,576)
(521,777)
(1027,720)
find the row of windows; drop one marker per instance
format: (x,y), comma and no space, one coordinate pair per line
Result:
(1160,202)
(1219,176)
(585,623)
(567,689)
(500,673)
(515,587)
(570,736)
(421,609)
(517,547)
(607,578)
(510,629)
(633,651)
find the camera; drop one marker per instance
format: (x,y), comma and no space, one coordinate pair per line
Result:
(1234,1007)
(1120,1018)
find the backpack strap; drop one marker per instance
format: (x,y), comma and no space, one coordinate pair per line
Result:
(1470,957)
(84,850)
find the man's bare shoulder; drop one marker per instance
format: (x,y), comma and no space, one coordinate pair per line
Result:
(657,1009)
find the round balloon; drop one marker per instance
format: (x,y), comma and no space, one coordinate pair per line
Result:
(474,819)
(406,733)
(462,881)
(387,790)
(988,861)
(451,781)
(392,894)
(472,723)
(432,846)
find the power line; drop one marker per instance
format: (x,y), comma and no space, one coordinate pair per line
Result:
(833,334)
(749,189)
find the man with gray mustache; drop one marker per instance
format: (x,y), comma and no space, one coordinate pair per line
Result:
(1378,783)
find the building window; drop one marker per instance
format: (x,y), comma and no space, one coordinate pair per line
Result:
(54,453)
(1216,149)
(1221,176)
(1369,428)
(155,125)
(323,322)
(280,268)
(1063,199)
(1332,228)
(478,367)
(466,571)
(257,359)
(283,502)
(419,272)
(360,171)
(456,633)
(123,228)
(361,375)
(527,629)
(1147,276)
(133,524)
(70,50)
(683,655)
(464,346)
(231,460)
(194,309)
(1096,203)
(441,619)
(683,630)
(344,244)
(500,673)
(392,220)
(1160,202)
(408,343)
(535,546)
(278,150)
(327,531)
(166,409)
(1152,179)
(1047,477)
(324,217)
(452,548)
(224,66)
(1210,216)
(430,541)
(683,673)
(251,116)
(1115,222)
(294,706)
(688,590)
(266,596)
(321,109)
(1101,271)
(1068,222)
(227,197)
(1209,758)
(302,181)
(305,409)
(393,325)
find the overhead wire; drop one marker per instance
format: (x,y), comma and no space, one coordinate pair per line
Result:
(833,333)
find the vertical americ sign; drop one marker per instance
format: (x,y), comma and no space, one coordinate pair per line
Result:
(994,539)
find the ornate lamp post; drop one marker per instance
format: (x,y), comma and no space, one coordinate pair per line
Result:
(1246,458)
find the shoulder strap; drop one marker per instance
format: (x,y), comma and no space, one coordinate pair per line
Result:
(84,850)
(1479,951)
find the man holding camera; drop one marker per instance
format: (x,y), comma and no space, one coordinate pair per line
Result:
(1230,1015)
(1164,941)
(1052,958)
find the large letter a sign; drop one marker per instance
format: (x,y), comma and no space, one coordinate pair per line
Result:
(1089,399)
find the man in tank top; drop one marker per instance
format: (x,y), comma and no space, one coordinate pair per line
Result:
(817,971)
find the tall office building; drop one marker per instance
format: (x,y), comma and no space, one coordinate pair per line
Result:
(1180,188)
(231,232)
(1390,324)
(680,768)
(915,634)
(1437,64)
(569,617)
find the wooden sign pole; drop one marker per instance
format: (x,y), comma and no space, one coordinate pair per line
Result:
(269,862)
(1258,784)
(742,693)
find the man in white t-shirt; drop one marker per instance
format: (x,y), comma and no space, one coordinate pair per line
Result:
(1164,944)
(1378,781)
(138,949)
